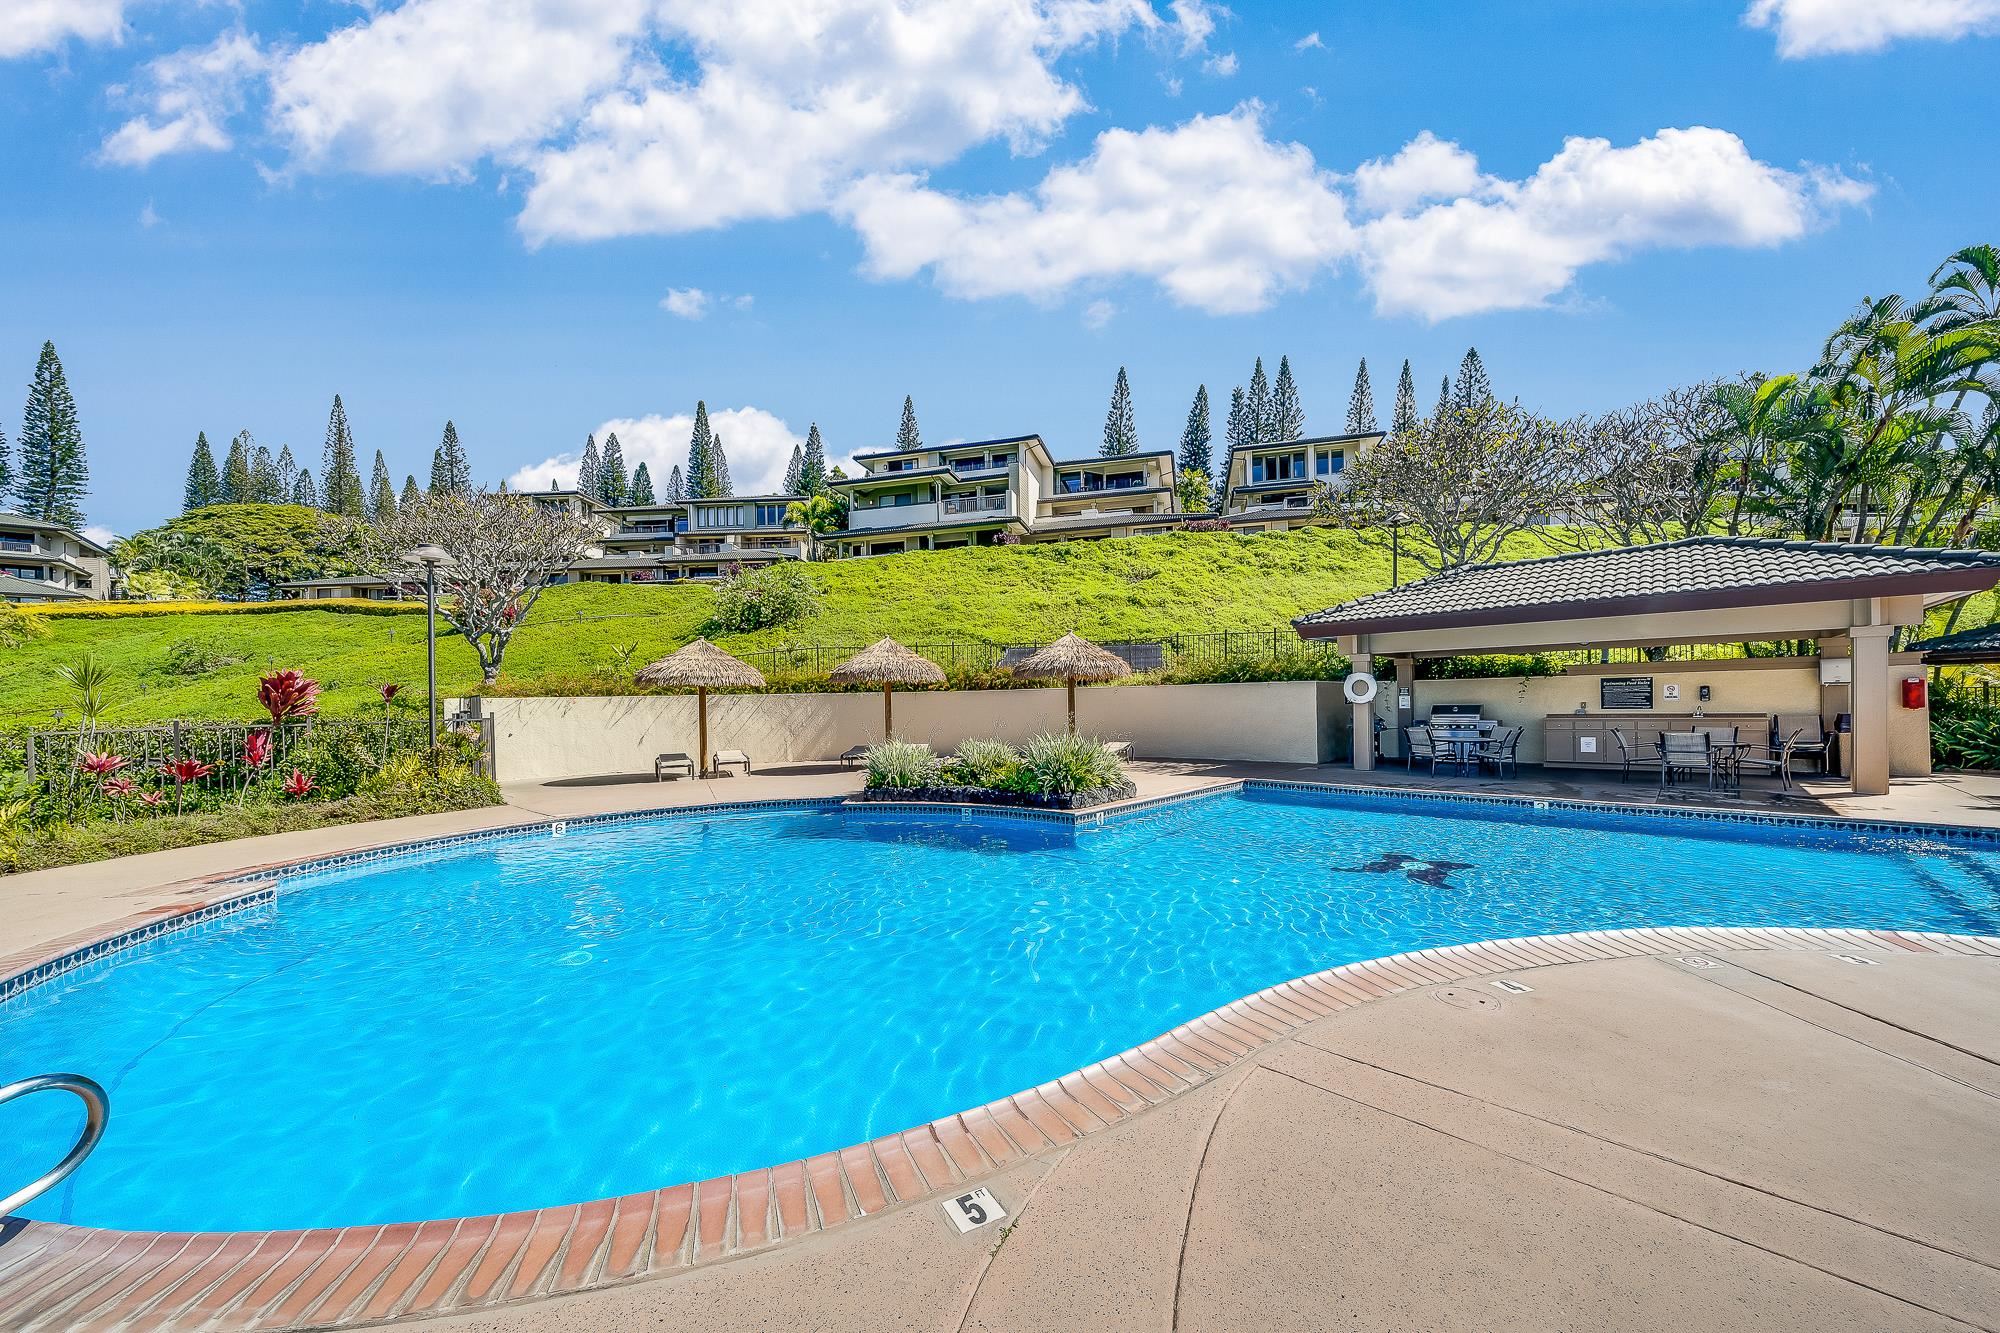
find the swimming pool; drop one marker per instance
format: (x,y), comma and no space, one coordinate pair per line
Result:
(531,1020)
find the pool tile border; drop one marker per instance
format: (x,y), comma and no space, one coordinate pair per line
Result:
(64,1277)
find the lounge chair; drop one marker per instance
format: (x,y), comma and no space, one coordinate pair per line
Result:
(665,764)
(1120,750)
(1630,756)
(853,755)
(1420,746)
(1500,752)
(1686,752)
(1812,739)
(724,758)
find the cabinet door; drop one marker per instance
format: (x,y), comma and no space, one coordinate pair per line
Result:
(1594,745)
(1558,743)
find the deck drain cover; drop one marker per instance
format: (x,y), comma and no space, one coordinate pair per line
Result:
(1459,998)
(1696,960)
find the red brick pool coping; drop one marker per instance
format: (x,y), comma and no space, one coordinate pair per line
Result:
(54,1276)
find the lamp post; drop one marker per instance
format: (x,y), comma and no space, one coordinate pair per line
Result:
(1396,521)
(432,558)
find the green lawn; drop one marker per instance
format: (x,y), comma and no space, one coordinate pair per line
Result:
(1136,588)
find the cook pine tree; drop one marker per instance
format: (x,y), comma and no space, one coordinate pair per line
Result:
(303,490)
(614,487)
(1473,389)
(52,475)
(339,475)
(451,471)
(204,482)
(1257,405)
(288,473)
(907,435)
(381,491)
(794,470)
(642,486)
(700,481)
(265,488)
(1121,432)
(1405,417)
(236,488)
(411,494)
(1361,403)
(589,473)
(676,486)
(1288,415)
(723,486)
(1197,451)
(812,467)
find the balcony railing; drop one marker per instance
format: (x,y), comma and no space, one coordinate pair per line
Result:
(975,504)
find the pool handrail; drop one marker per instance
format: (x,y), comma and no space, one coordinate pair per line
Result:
(96,1109)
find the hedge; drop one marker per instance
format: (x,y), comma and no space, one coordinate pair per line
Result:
(354,606)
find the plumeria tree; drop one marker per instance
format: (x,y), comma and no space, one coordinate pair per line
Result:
(504,551)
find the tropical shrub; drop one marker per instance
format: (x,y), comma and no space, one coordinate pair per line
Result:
(1965,730)
(757,599)
(902,764)
(1309,664)
(18,626)
(197,657)
(1054,765)
(982,763)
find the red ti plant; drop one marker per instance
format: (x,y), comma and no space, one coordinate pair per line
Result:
(102,764)
(152,800)
(299,785)
(119,787)
(390,691)
(288,694)
(256,754)
(184,771)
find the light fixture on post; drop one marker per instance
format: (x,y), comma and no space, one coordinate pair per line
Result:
(432,558)
(1396,521)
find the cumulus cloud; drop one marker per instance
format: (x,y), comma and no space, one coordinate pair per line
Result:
(1098,314)
(757,443)
(1161,204)
(694,303)
(1435,236)
(1222,67)
(1196,21)
(192,95)
(1511,244)
(1830,27)
(1310,42)
(28,27)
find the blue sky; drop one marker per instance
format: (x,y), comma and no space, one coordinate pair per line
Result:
(544,217)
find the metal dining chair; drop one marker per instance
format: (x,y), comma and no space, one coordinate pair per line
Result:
(1500,752)
(1686,752)
(1630,756)
(1421,746)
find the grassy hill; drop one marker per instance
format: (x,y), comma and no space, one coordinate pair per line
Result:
(1134,588)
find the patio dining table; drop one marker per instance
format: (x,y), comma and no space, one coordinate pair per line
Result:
(1461,741)
(1722,760)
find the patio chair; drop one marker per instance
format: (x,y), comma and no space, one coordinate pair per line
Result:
(1812,739)
(1772,758)
(665,764)
(1500,752)
(1420,746)
(1630,756)
(1120,750)
(854,754)
(730,758)
(1686,752)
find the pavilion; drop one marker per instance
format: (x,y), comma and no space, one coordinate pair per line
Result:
(1849,599)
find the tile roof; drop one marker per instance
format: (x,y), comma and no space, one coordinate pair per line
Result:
(1695,573)
(11,586)
(1980,644)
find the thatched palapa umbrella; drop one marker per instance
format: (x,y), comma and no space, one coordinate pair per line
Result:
(888,664)
(1071,659)
(705,667)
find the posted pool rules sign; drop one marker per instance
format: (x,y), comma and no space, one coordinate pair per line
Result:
(973,1210)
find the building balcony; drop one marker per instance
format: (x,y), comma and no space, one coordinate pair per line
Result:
(975,504)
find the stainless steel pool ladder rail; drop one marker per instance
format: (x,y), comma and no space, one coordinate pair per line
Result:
(96,1110)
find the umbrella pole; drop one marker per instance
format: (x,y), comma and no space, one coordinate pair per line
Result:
(1070,683)
(888,714)
(701,708)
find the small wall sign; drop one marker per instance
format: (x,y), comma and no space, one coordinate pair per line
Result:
(1586,745)
(973,1210)
(1632,693)
(1670,691)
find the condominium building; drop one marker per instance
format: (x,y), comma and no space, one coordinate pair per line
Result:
(47,562)
(981,492)
(1270,486)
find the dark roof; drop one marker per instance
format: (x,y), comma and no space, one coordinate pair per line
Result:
(938,448)
(11,587)
(1696,573)
(12,519)
(1967,645)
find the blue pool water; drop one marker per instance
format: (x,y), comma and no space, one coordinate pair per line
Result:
(534,1020)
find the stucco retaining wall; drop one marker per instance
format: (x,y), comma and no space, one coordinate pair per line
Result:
(549,739)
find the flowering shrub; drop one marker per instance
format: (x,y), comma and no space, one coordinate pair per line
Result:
(257,749)
(761,598)
(102,764)
(298,785)
(288,694)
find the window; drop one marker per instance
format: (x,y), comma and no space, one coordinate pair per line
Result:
(1278,467)
(770,516)
(899,465)
(1328,464)
(15,541)
(24,571)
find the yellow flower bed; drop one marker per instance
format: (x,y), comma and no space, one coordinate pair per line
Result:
(121,610)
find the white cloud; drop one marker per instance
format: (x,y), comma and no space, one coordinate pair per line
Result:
(757,444)
(687,302)
(1513,244)
(103,536)
(1426,167)
(149,217)
(1097,314)
(1155,203)
(1309,42)
(31,26)
(1222,67)
(1829,27)
(1438,238)
(1196,20)
(192,95)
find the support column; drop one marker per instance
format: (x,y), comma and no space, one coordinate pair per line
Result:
(1364,721)
(1406,703)
(1870,707)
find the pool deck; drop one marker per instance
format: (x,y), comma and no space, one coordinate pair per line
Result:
(1741,1129)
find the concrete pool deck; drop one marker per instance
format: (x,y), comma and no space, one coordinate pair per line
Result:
(1740,1128)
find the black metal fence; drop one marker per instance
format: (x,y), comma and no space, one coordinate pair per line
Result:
(205,756)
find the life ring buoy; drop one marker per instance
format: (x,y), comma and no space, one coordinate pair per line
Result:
(1360,688)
